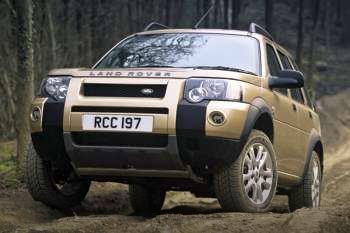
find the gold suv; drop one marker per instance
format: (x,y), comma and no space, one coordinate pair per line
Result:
(220,113)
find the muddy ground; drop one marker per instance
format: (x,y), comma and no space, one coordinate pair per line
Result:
(107,209)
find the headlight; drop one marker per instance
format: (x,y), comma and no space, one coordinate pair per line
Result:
(56,87)
(199,89)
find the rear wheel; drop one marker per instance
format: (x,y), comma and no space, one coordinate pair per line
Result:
(55,187)
(249,183)
(308,193)
(146,200)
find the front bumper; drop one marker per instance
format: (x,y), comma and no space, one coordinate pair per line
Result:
(183,141)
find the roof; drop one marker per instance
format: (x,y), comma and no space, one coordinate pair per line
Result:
(214,31)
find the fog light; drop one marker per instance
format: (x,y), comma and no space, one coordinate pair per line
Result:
(35,115)
(217,118)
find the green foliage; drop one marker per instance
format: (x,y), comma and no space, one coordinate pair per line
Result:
(8,167)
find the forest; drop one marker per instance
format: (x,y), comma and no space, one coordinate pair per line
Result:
(38,35)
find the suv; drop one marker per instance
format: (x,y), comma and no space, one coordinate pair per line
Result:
(219,113)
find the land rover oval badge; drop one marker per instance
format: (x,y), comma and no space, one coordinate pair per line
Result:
(147,91)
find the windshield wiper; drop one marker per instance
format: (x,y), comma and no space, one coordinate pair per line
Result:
(222,68)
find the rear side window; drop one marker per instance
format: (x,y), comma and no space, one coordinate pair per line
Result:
(308,99)
(297,95)
(272,60)
(285,61)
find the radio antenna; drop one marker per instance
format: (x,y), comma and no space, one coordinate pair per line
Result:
(203,17)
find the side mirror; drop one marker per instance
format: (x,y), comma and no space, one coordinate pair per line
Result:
(287,79)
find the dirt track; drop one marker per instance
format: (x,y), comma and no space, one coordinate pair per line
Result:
(106,209)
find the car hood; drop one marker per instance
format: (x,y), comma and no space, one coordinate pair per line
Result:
(168,73)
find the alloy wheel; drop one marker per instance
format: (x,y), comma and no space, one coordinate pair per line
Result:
(315,187)
(257,173)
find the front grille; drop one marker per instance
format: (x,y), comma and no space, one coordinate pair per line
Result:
(124,90)
(119,109)
(119,139)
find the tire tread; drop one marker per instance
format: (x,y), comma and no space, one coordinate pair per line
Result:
(301,195)
(41,187)
(228,183)
(146,200)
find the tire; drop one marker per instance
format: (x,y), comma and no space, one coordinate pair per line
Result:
(42,186)
(232,181)
(308,192)
(146,200)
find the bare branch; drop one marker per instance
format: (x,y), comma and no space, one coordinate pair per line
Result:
(12,9)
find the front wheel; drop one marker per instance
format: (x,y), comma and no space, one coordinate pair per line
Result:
(146,200)
(57,188)
(249,183)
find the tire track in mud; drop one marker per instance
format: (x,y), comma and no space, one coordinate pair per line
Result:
(107,209)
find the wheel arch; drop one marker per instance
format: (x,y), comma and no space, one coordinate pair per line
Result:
(315,144)
(319,150)
(260,118)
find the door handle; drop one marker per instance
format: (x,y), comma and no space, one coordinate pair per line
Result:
(310,114)
(294,107)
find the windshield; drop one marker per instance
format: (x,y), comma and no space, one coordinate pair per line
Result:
(185,50)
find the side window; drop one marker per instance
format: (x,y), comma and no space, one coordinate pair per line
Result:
(294,64)
(285,61)
(282,91)
(308,99)
(274,66)
(297,95)
(272,60)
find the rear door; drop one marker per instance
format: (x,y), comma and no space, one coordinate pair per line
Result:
(303,126)
(306,122)
(286,119)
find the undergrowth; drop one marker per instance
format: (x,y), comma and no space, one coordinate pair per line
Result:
(8,167)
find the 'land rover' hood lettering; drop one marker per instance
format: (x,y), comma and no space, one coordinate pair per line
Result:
(130,74)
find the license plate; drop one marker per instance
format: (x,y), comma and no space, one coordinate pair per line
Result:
(118,123)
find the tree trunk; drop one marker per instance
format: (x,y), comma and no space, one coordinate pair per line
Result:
(236,6)
(216,13)
(328,24)
(8,91)
(198,9)
(178,12)
(79,32)
(167,12)
(299,52)
(65,32)
(226,9)
(315,16)
(345,19)
(205,8)
(130,16)
(338,7)
(91,35)
(184,13)
(25,71)
(52,33)
(268,15)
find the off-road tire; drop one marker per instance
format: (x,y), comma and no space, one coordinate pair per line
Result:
(301,195)
(42,187)
(146,200)
(229,185)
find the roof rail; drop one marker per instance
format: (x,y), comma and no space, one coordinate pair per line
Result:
(154,24)
(255,28)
